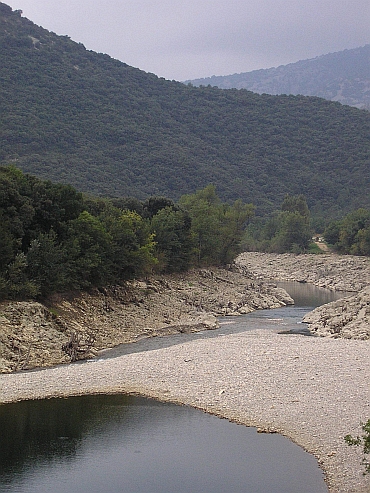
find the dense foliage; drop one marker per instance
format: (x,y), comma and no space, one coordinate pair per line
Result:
(350,234)
(218,228)
(53,239)
(75,116)
(287,230)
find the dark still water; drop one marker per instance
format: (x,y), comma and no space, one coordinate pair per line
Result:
(111,444)
(124,444)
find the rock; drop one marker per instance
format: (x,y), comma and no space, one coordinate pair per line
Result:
(336,272)
(348,317)
(33,334)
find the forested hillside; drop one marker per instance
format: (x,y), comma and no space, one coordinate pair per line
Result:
(343,76)
(75,116)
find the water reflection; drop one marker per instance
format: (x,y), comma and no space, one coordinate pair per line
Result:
(286,319)
(43,429)
(310,296)
(127,444)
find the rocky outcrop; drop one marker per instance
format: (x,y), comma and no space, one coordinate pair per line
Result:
(336,272)
(348,318)
(32,334)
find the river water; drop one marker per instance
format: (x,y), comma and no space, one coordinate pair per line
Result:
(287,318)
(127,444)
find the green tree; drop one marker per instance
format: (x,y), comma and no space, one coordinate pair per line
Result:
(296,203)
(351,234)
(18,285)
(132,249)
(351,225)
(288,230)
(234,220)
(331,233)
(204,210)
(293,234)
(218,227)
(154,204)
(7,243)
(46,261)
(174,239)
(363,242)
(88,247)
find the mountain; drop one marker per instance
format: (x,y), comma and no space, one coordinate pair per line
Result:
(75,116)
(343,76)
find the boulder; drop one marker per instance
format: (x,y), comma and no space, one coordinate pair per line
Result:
(348,317)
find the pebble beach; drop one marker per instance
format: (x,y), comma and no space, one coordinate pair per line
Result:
(312,390)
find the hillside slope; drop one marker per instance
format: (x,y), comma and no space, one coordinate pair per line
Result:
(72,115)
(343,76)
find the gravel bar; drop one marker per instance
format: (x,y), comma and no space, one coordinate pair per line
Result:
(312,390)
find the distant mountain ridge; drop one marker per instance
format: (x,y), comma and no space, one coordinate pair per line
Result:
(75,116)
(343,76)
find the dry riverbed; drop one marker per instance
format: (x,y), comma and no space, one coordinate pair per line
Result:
(313,390)
(32,334)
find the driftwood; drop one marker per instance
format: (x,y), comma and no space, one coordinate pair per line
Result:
(76,348)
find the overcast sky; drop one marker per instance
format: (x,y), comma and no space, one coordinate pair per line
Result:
(188,39)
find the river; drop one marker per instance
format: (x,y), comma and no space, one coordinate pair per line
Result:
(129,444)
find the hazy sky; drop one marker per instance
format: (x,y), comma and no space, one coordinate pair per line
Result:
(187,39)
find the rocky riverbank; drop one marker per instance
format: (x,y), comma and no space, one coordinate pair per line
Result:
(347,318)
(314,390)
(336,272)
(32,334)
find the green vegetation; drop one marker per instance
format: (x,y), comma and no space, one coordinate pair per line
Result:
(287,230)
(350,234)
(363,441)
(50,242)
(74,116)
(218,228)
(54,239)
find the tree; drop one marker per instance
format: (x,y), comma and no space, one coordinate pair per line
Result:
(88,246)
(132,249)
(7,243)
(293,234)
(363,242)
(218,227)
(351,234)
(46,261)
(288,230)
(203,208)
(295,203)
(154,204)
(331,233)
(233,223)
(18,285)
(174,239)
